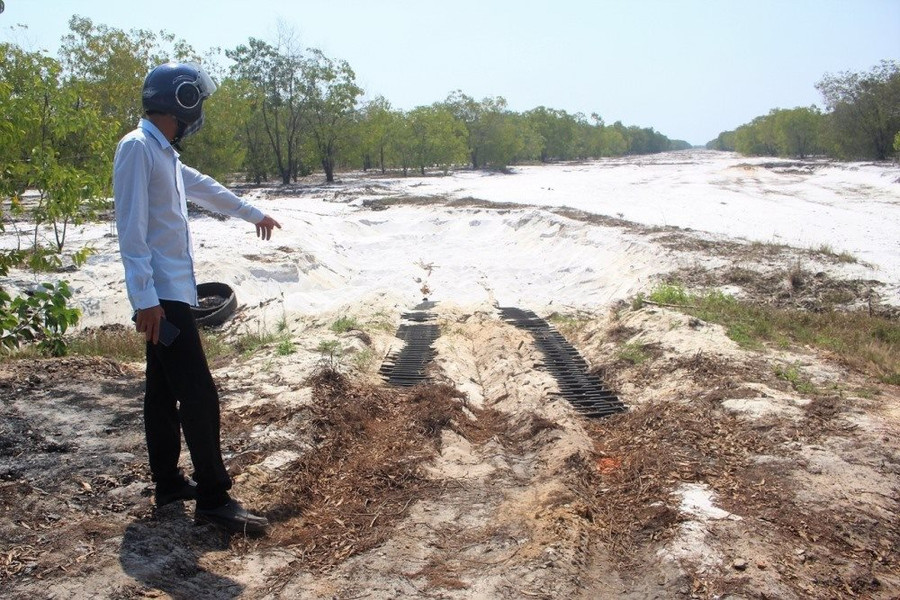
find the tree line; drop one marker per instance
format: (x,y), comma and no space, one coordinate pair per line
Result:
(281,112)
(861,121)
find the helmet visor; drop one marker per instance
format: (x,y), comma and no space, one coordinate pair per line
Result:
(189,94)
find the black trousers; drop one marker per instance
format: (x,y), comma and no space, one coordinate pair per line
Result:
(181,397)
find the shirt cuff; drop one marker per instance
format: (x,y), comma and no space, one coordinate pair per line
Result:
(145,299)
(255,215)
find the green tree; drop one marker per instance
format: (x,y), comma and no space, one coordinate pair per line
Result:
(557,130)
(724,142)
(108,66)
(757,138)
(331,97)
(613,142)
(864,110)
(377,124)
(274,87)
(797,131)
(57,144)
(438,138)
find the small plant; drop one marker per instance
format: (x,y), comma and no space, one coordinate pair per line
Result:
(363,359)
(567,323)
(633,353)
(638,302)
(670,294)
(795,377)
(249,343)
(344,324)
(41,317)
(332,352)
(282,326)
(285,347)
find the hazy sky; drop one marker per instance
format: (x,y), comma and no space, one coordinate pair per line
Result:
(690,69)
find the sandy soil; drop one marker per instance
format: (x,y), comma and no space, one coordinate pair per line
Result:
(720,481)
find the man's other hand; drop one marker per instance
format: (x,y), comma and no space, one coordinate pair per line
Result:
(264,228)
(147,322)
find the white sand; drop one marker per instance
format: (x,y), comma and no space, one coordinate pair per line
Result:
(334,253)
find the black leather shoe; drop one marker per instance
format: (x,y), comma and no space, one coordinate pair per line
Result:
(187,491)
(233,517)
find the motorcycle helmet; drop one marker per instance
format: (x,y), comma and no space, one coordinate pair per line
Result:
(178,89)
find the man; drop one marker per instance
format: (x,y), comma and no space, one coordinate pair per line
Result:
(150,186)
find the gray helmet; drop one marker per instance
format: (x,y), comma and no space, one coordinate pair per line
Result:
(178,89)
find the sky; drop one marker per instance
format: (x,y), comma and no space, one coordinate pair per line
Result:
(688,68)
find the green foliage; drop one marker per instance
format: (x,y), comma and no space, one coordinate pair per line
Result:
(437,137)
(796,378)
(216,150)
(54,141)
(724,142)
(272,80)
(670,294)
(332,352)
(862,121)
(794,132)
(867,342)
(248,343)
(363,360)
(864,118)
(330,105)
(633,353)
(285,347)
(41,317)
(344,324)
(108,65)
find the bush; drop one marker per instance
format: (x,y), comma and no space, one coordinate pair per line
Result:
(41,317)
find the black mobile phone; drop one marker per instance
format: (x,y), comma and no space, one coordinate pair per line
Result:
(167,331)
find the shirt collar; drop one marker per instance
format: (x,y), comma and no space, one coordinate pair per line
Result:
(153,130)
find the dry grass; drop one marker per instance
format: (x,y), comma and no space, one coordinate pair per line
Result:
(643,456)
(347,494)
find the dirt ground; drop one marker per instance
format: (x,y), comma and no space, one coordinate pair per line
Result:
(721,480)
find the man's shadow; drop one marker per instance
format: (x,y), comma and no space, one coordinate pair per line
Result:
(162,552)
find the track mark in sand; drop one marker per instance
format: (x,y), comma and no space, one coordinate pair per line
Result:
(408,367)
(585,391)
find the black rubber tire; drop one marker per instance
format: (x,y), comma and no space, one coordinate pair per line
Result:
(210,316)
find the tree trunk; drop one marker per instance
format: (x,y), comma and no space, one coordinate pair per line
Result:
(328,167)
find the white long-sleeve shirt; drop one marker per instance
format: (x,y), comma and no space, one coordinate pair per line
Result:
(150,188)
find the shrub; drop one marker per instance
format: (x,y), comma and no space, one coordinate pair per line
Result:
(344,324)
(41,317)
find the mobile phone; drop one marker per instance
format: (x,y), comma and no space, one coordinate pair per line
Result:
(167,331)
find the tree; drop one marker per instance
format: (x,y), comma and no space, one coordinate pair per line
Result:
(865,110)
(797,131)
(108,67)
(557,130)
(58,144)
(274,87)
(724,142)
(378,124)
(758,138)
(438,138)
(331,95)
